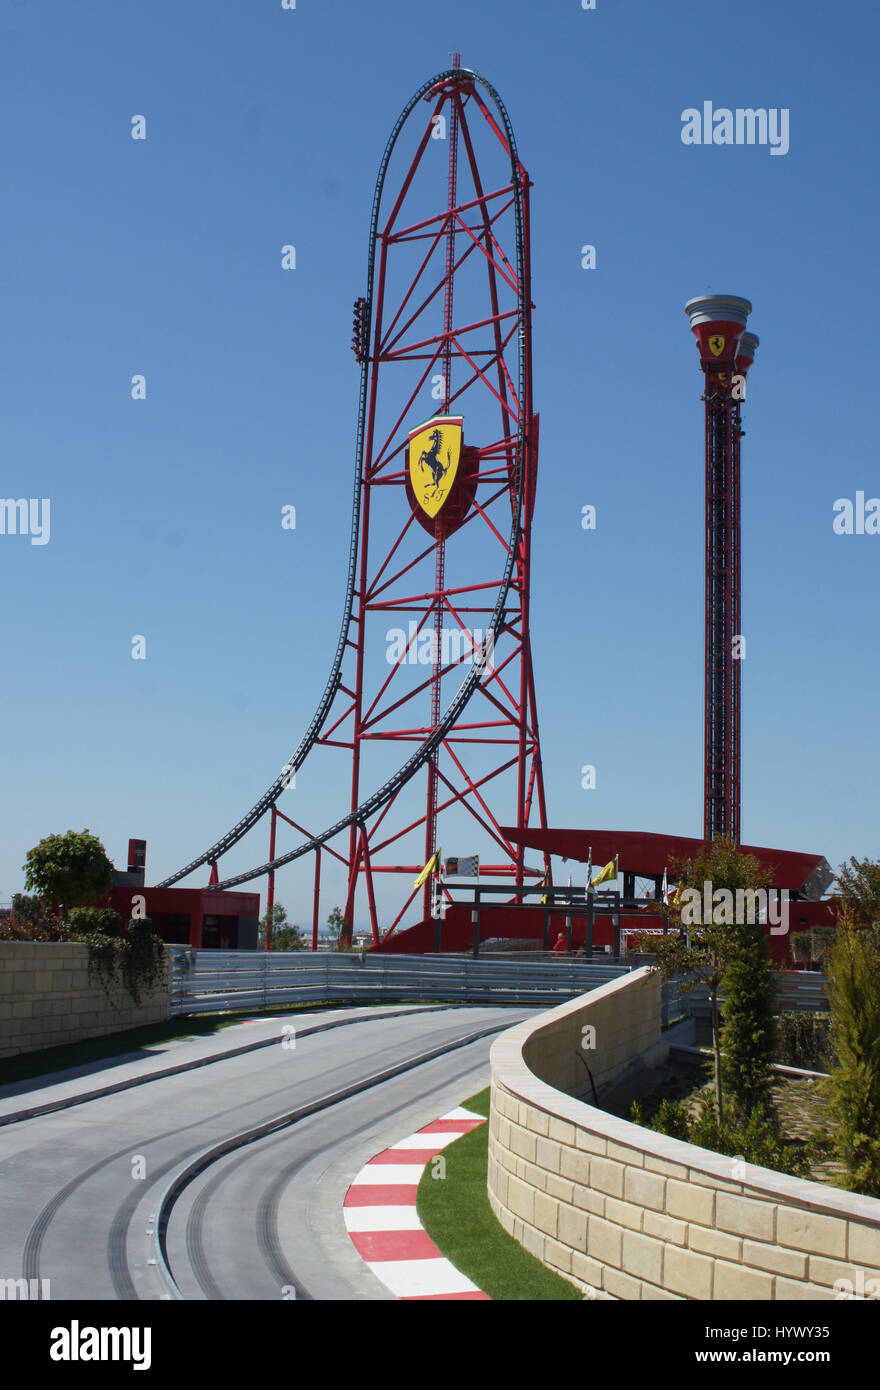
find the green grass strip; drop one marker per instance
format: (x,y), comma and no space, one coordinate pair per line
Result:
(457,1216)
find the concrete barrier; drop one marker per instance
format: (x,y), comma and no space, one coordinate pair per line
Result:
(47,998)
(630,1214)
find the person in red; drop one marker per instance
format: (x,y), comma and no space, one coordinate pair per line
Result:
(561,944)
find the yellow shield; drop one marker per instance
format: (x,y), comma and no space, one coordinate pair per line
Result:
(434,452)
(716,345)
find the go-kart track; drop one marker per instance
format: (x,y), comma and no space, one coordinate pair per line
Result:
(126,1197)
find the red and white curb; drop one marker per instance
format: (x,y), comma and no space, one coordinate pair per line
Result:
(381,1218)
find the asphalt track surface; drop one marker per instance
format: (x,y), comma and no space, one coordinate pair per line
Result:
(120,1197)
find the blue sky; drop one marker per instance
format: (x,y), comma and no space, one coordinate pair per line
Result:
(162,257)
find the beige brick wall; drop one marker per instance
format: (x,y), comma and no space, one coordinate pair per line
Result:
(47,998)
(626,1213)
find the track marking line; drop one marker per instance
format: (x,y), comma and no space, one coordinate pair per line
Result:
(381,1218)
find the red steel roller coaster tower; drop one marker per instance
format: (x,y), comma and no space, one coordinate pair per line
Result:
(473,350)
(433,672)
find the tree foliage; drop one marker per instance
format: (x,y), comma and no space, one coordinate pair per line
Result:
(283,935)
(853,969)
(103,921)
(748,1032)
(27,909)
(757,1138)
(288,938)
(72,869)
(31,919)
(858,884)
(273,920)
(339,928)
(701,952)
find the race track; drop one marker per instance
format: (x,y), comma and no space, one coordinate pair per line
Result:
(121,1197)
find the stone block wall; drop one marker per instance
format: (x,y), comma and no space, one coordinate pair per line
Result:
(47,998)
(626,1213)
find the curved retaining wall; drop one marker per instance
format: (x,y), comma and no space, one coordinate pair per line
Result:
(627,1213)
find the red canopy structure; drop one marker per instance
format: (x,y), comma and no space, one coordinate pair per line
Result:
(648,855)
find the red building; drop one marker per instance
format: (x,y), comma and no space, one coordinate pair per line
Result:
(210,918)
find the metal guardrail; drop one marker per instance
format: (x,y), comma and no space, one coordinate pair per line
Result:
(215,981)
(801,991)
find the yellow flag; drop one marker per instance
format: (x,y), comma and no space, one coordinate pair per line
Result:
(610,871)
(430,868)
(544,884)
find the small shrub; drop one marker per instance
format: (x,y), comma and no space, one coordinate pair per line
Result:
(672,1119)
(27,909)
(758,1140)
(81,921)
(31,920)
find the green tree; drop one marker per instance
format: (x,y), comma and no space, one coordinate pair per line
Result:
(858,883)
(853,969)
(699,952)
(339,928)
(748,1032)
(273,920)
(72,869)
(288,938)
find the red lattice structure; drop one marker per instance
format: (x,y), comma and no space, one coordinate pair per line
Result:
(726,353)
(431,699)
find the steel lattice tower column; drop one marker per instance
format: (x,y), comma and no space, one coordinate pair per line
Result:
(718,322)
(745,355)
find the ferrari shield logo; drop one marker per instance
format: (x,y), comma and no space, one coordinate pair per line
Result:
(716,344)
(434,453)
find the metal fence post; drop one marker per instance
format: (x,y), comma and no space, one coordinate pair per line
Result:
(615,920)
(590,912)
(475,918)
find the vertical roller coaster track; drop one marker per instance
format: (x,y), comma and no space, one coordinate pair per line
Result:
(440,537)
